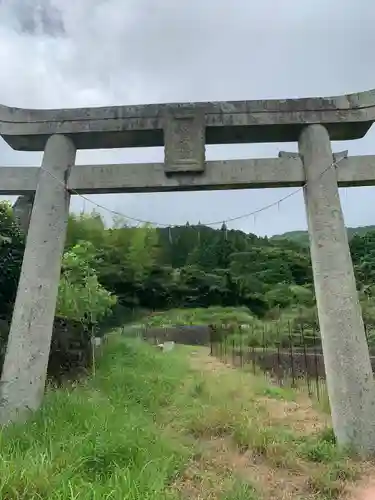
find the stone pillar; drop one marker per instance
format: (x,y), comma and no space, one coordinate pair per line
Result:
(25,366)
(348,369)
(22,211)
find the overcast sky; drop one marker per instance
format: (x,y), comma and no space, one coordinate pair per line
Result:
(107,52)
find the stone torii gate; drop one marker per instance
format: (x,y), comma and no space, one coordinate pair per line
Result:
(183,130)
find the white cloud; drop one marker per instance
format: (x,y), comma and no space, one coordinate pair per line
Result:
(142,51)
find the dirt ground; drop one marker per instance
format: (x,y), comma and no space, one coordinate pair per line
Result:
(220,457)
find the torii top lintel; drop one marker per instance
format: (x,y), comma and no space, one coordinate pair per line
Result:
(346,117)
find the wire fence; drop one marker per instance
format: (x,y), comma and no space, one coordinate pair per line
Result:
(289,354)
(294,359)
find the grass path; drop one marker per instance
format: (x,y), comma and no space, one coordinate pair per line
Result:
(285,450)
(174,426)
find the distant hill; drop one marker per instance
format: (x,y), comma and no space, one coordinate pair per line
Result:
(302,237)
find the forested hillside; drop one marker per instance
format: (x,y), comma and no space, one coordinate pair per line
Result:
(192,266)
(302,237)
(105,269)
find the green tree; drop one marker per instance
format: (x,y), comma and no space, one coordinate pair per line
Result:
(85,227)
(81,296)
(12,245)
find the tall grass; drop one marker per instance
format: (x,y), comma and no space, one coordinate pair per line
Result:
(100,439)
(160,426)
(201,315)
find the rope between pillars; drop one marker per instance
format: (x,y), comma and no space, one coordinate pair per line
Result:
(214,223)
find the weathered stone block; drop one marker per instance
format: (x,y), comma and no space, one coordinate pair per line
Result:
(184,140)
